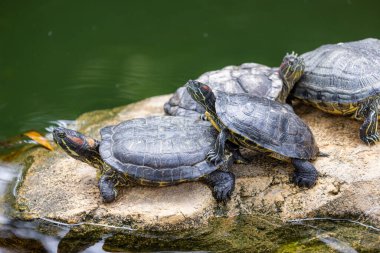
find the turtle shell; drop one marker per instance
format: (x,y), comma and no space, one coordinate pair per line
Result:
(341,73)
(251,78)
(269,124)
(160,148)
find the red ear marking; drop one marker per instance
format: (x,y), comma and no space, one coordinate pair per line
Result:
(205,87)
(77,140)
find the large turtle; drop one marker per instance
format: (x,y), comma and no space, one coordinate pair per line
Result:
(259,124)
(251,78)
(157,151)
(344,79)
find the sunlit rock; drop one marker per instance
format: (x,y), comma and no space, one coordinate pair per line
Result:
(58,187)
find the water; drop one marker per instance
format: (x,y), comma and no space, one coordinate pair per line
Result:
(59,59)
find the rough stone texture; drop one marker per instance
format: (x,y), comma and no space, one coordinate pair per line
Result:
(59,187)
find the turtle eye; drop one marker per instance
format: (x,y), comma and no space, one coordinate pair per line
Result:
(61,135)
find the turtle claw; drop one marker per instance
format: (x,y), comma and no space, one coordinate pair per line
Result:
(214,157)
(242,160)
(203,117)
(305,174)
(222,185)
(371,139)
(307,181)
(222,193)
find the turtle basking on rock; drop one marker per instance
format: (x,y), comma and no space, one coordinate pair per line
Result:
(259,124)
(251,78)
(156,151)
(344,79)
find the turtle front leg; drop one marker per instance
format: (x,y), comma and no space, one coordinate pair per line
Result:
(305,174)
(222,184)
(107,186)
(368,130)
(216,155)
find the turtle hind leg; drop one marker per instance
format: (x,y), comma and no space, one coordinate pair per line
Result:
(305,174)
(368,131)
(107,187)
(369,110)
(216,155)
(222,184)
(235,150)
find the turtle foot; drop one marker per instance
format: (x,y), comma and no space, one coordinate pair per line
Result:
(304,180)
(242,160)
(305,174)
(107,189)
(222,185)
(371,139)
(108,196)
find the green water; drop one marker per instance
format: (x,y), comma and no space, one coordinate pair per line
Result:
(59,59)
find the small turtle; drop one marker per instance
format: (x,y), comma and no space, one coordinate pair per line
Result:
(344,79)
(156,151)
(259,124)
(251,78)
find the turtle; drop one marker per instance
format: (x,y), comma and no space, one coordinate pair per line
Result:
(259,124)
(344,79)
(153,151)
(251,78)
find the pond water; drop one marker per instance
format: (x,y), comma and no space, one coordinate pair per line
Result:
(59,59)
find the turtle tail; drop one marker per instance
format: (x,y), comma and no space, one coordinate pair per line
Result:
(322,154)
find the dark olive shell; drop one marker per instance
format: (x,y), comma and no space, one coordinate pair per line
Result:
(342,73)
(269,124)
(160,148)
(251,78)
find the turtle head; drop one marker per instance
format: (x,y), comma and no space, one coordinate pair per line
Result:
(291,68)
(202,94)
(78,146)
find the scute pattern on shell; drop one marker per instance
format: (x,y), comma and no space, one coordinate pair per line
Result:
(159,148)
(342,73)
(251,78)
(270,124)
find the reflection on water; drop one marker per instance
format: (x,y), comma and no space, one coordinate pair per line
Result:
(340,246)
(14,146)
(19,236)
(7,176)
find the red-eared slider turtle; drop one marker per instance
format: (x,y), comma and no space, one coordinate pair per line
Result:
(157,151)
(259,124)
(344,79)
(251,78)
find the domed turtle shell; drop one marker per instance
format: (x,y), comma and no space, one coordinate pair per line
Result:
(342,73)
(159,149)
(251,78)
(267,123)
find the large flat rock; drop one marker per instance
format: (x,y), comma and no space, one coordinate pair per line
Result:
(58,187)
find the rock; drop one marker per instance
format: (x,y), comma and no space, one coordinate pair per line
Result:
(58,187)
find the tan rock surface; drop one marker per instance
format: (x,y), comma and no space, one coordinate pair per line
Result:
(59,187)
